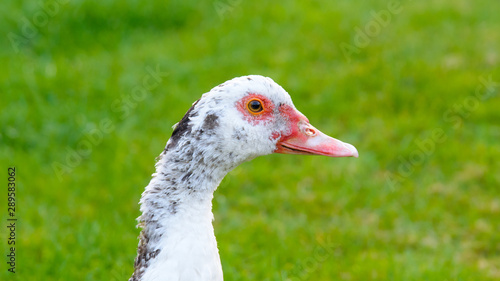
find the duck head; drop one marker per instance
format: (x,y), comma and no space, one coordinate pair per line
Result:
(251,116)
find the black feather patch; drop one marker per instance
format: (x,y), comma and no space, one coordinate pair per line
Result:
(211,121)
(182,127)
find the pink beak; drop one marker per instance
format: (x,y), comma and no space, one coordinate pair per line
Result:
(307,140)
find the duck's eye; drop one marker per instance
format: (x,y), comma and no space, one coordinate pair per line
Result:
(255,106)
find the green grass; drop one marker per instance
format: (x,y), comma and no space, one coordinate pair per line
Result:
(279,216)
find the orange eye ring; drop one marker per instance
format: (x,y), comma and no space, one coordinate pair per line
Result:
(255,106)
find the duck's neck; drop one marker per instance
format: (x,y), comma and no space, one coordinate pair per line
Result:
(177,241)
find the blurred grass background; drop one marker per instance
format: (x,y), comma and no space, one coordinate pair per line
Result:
(379,217)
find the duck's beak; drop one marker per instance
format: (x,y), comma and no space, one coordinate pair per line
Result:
(306,140)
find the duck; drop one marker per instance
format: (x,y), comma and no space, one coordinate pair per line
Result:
(234,122)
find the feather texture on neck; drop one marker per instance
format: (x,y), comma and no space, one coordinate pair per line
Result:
(177,241)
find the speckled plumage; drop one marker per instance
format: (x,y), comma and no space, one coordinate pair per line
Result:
(177,241)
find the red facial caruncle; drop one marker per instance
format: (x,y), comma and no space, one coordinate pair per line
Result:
(256,108)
